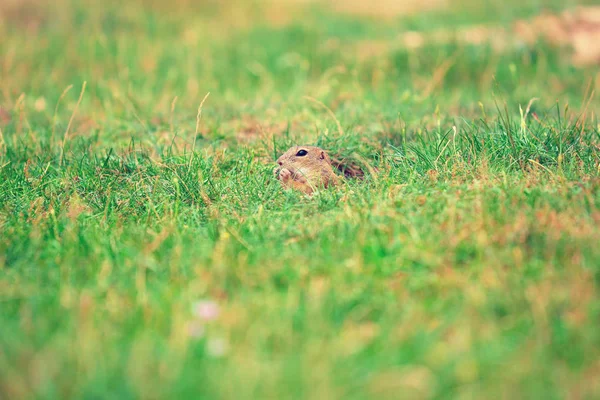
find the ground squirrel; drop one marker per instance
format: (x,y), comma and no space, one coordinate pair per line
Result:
(305,168)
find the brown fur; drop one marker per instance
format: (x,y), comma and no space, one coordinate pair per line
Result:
(305,173)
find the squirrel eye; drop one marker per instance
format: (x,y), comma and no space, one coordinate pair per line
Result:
(302,153)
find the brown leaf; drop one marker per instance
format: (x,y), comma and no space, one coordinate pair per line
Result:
(5,116)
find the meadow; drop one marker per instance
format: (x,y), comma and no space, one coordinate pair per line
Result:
(148,252)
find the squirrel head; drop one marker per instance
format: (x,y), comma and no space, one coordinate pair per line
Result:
(307,164)
(304,160)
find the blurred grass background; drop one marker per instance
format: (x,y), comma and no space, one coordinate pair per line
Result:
(147,251)
(260,58)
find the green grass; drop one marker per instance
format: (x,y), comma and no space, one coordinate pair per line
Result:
(465,265)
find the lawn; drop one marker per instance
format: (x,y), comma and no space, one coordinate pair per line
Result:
(147,251)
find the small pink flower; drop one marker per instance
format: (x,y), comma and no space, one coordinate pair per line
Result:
(206,310)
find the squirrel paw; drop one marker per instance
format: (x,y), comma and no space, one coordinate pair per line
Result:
(285,175)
